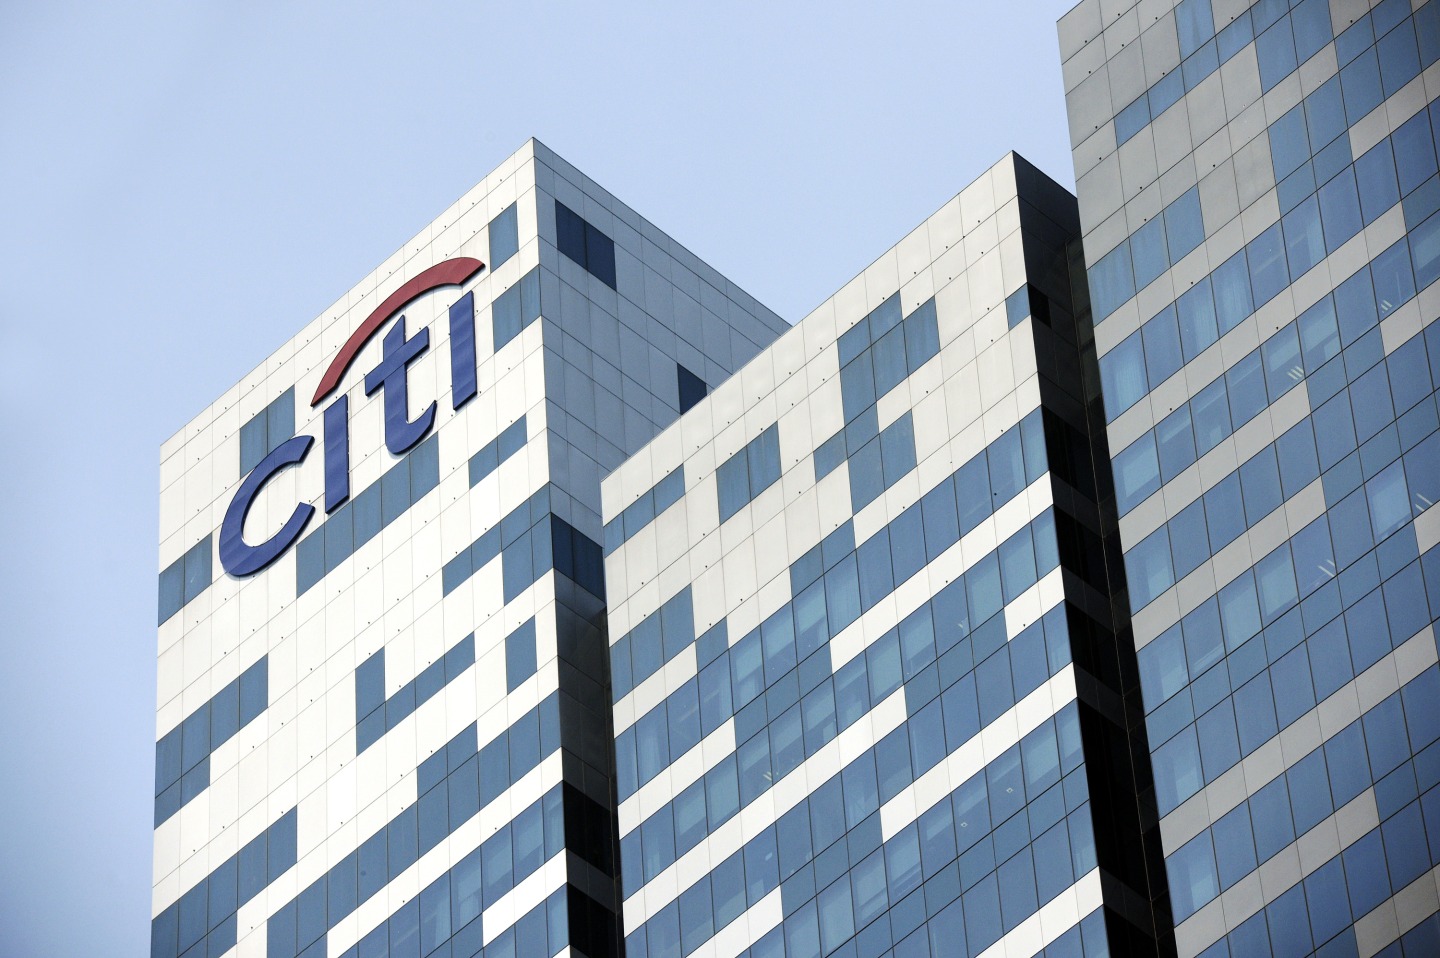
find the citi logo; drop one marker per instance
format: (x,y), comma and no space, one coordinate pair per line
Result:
(389,378)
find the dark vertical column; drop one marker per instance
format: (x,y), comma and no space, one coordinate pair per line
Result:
(587,745)
(1112,719)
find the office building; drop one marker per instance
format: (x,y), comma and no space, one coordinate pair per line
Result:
(1257,188)
(1064,585)
(383,723)
(872,694)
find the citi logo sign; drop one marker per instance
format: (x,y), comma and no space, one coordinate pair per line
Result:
(240,558)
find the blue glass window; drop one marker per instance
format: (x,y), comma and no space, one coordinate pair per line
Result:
(1195,24)
(1319,334)
(1148,569)
(897,449)
(1340,210)
(1232,294)
(1175,442)
(1269,272)
(749,472)
(842,594)
(973,497)
(1225,512)
(1184,227)
(1187,529)
(1281,356)
(1150,254)
(1274,827)
(1328,899)
(1162,346)
(186,577)
(520,655)
(1275,50)
(1136,473)
(1210,412)
(1177,770)
(691,388)
(1389,501)
(1236,36)
(1123,374)
(1234,846)
(1162,668)
(1304,239)
(1360,82)
(1196,309)
(1394,281)
(1166,92)
(1007,467)
(1425,251)
(266,430)
(488,459)
(515,309)
(583,243)
(922,335)
(1289,143)
(940,520)
(504,233)
(1112,282)
(1399,58)
(1325,113)
(1132,119)
(1414,152)
(1311,22)
(1017,306)
(1245,387)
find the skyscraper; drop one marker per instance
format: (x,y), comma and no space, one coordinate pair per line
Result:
(383,725)
(1028,597)
(872,694)
(1257,184)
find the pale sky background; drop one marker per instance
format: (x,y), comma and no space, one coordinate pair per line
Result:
(184,185)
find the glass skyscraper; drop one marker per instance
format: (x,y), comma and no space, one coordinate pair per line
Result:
(870,685)
(1257,184)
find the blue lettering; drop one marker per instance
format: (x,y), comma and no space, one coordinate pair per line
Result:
(463,386)
(236,556)
(337,453)
(400,432)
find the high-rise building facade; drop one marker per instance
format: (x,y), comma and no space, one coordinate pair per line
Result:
(872,695)
(383,724)
(1020,600)
(1257,184)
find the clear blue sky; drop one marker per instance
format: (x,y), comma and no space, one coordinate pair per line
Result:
(182,190)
